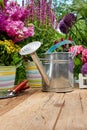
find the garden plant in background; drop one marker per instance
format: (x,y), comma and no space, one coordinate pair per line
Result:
(80,60)
(67,22)
(42,15)
(36,21)
(78,31)
(9,53)
(75,25)
(13,29)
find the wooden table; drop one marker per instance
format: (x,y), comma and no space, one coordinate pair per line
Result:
(37,110)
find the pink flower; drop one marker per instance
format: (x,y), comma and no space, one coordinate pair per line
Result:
(79,49)
(15,12)
(84,56)
(17,31)
(71,49)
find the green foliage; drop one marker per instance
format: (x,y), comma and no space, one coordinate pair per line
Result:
(20,73)
(46,35)
(79,30)
(77,66)
(2,3)
(9,53)
(61,7)
(80,6)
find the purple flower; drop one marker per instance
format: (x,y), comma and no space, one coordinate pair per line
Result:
(67,22)
(63,28)
(84,68)
(69,19)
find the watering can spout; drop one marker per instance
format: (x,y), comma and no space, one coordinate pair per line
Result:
(31,49)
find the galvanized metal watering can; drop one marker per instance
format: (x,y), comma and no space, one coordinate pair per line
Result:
(56,68)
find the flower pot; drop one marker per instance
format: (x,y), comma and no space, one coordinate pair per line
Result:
(7,76)
(33,75)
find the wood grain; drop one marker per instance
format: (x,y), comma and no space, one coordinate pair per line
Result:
(45,111)
(9,103)
(40,111)
(73,115)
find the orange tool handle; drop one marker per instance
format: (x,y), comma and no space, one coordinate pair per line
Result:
(20,86)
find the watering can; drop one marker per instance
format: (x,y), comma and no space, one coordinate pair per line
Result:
(56,68)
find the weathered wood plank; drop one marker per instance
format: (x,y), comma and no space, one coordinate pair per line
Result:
(74,112)
(40,111)
(9,103)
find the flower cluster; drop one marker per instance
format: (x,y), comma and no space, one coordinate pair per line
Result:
(84,56)
(9,46)
(79,49)
(12,22)
(80,60)
(14,29)
(8,52)
(66,23)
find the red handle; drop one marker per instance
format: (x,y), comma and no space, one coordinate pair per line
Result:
(20,86)
(26,87)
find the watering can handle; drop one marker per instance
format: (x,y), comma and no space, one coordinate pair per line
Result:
(58,45)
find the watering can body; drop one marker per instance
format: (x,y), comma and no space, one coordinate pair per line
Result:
(56,68)
(59,69)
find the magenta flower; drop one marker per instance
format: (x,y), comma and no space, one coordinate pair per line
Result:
(79,50)
(17,31)
(5,2)
(12,22)
(15,12)
(3,22)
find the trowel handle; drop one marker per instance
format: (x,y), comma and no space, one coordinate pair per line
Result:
(20,86)
(40,67)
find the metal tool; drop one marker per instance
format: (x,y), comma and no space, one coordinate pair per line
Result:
(13,91)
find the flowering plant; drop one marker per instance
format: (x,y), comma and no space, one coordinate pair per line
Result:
(84,60)
(84,69)
(66,23)
(13,29)
(80,60)
(8,52)
(12,22)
